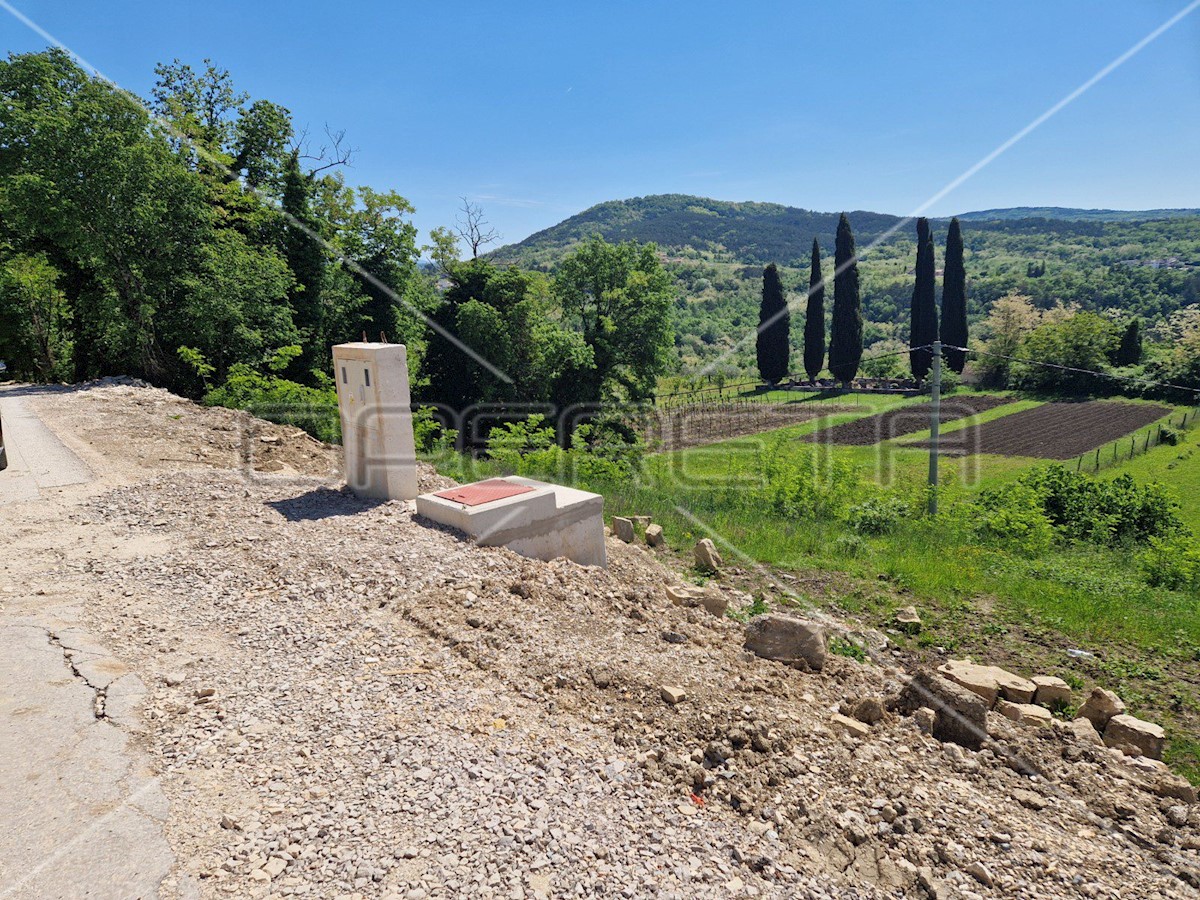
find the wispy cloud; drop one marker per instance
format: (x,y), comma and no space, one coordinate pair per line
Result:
(509,201)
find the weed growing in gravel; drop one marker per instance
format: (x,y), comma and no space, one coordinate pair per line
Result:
(847,648)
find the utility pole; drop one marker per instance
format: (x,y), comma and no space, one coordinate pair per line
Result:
(935,405)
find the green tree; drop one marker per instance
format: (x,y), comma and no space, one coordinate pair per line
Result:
(1083,342)
(307,259)
(814,317)
(505,316)
(954,300)
(34,318)
(846,333)
(620,298)
(923,308)
(120,235)
(1129,351)
(773,342)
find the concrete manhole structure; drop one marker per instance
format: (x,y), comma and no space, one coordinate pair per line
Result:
(532,518)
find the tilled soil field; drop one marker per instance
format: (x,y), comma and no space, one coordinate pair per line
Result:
(696,426)
(1053,430)
(906,420)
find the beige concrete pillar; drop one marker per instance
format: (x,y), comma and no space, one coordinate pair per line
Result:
(376,413)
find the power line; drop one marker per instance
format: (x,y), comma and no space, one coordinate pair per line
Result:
(1060,367)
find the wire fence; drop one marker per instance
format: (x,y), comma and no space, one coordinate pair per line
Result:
(1136,444)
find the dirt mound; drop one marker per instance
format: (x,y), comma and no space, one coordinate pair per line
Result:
(158,430)
(906,420)
(1053,430)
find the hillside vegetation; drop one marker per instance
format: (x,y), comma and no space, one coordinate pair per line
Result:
(1138,263)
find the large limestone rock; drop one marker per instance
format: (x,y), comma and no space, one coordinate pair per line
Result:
(787,639)
(654,535)
(623,528)
(989,682)
(908,620)
(713,601)
(706,556)
(960,714)
(1126,731)
(1050,690)
(1024,713)
(1167,784)
(1101,706)
(1084,731)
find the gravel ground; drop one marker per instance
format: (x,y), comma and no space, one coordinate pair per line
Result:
(344,700)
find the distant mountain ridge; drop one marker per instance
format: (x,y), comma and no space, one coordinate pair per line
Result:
(757,233)
(1071,214)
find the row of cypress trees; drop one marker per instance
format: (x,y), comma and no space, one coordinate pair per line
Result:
(774,319)
(923,329)
(846,335)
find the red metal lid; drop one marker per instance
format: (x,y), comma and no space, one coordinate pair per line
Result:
(483,492)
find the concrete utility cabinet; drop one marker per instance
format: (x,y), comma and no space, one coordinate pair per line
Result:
(532,518)
(377,431)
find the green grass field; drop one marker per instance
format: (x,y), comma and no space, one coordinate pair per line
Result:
(977,600)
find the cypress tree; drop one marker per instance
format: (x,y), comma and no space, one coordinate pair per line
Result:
(1129,352)
(954,300)
(306,258)
(774,324)
(814,318)
(846,334)
(923,310)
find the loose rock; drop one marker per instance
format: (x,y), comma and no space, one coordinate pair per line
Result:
(989,682)
(1147,737)
(1050,690)
(961,715)
(623,529)
(1100,706)
(672,695)
(908,621)
(787,639)
(1024,713)
(706,556)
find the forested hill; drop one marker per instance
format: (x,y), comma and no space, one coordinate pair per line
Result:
(1120,262)
(1069,214)
(742,232)
(758,233)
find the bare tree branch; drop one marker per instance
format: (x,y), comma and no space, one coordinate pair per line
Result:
(474,229)
(328,155)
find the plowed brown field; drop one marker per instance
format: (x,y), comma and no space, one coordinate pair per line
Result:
(1053,430)
(906,420)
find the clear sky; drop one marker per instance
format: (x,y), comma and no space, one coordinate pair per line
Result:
(537,110)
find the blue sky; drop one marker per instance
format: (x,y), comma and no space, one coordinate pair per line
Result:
(537,110)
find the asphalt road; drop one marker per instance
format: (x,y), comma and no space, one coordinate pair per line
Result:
(37,460)
(81,813)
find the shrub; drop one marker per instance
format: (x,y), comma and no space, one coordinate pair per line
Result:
(599,452)
(1171,562)
(1168,436)
(430,435)
(878,515)
(1014,520)
(1110,512)
(850,546)
(807,484)
(849,649)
